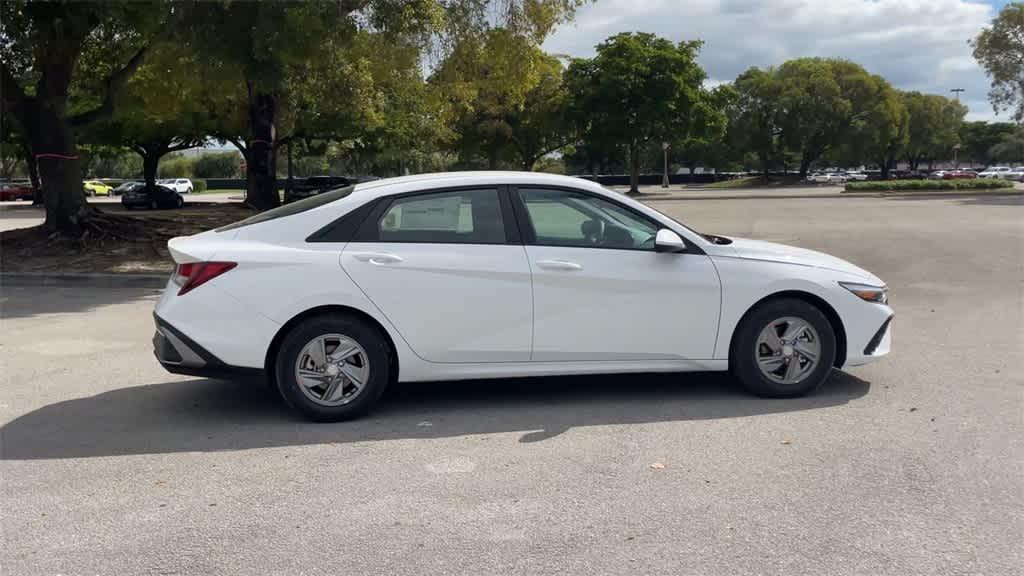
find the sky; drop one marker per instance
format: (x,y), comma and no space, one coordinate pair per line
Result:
(915,44)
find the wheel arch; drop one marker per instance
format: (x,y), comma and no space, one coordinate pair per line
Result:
(813,299)
(275,342)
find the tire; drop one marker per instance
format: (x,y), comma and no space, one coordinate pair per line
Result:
(774,381)
(294,352)
(179,203)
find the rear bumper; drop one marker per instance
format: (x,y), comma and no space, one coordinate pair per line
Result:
(179,354)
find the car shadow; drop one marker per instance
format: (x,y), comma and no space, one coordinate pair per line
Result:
(207,416)
(26,301)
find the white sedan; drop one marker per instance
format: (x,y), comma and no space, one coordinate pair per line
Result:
(179,185)
(502,274)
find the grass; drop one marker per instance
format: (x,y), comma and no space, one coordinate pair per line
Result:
(755,182)
(927,185)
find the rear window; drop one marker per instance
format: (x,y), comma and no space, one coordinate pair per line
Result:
(292,209)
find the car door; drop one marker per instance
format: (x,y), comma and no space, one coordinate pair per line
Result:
(601,292)
(446,267)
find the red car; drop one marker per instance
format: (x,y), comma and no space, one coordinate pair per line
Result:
(958,175)
(10,191)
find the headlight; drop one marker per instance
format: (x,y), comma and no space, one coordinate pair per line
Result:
(876,294)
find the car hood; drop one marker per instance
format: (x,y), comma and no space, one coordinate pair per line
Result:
(772,252)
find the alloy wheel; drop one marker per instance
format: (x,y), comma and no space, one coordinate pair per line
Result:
(787,350)
(332,369)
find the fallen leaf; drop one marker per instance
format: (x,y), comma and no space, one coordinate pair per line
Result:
(913,409)
(785,442)
(658,466)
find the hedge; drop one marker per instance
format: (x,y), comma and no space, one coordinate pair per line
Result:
(198,185)
(900,185)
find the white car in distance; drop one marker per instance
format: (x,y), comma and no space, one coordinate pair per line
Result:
(179,185)
(502,274)
(995,172)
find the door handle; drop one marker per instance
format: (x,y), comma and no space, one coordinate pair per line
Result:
(559,265)
(377,258)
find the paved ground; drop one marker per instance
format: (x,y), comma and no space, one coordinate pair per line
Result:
(24,214)
(911,466)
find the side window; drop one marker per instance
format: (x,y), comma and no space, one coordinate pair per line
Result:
(565,218)
(453,217)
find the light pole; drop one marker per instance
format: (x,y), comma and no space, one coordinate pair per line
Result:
(957,92)
(664,172)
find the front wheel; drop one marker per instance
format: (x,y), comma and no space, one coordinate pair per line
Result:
(333,367)
(783,348)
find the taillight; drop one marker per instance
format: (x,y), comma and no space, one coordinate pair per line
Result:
(194,274)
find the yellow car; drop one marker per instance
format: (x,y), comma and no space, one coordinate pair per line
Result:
(96,188)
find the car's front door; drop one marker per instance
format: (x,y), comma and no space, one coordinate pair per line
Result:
(601,292)
(448,272)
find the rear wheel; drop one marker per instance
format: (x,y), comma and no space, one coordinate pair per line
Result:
(783,348)
(333,367)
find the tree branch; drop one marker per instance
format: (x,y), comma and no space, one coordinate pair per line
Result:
(13,95)
(115,82)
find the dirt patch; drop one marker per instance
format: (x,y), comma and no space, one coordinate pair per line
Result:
(114,242)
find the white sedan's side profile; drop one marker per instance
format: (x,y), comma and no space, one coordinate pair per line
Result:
(501,274)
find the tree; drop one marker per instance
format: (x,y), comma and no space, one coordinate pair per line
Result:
(48,94)
(933,123)
(978,138)
(638,88)
(882,133)
(755,116)
(1000,51)
(1010,148)
(255,44)
(503,96)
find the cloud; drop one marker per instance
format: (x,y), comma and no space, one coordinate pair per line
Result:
(915,44)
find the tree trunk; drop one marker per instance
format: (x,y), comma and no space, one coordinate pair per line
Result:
(288,182)
(805,166)
(765,166)
(261,174)
(884,165)
(33,173)
(150,164)
(492,158)
(634,169)
(60,171)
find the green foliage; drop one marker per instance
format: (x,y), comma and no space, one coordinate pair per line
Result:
(639,88)
(198,185)
(216,165)
(933,126)
(911,185)
(1000,51)
(176,166)
(99,161)
(977,140)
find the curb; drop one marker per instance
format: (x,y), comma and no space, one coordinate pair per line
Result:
(922,194)
(152,281)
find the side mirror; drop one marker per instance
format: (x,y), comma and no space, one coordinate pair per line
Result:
(668,241)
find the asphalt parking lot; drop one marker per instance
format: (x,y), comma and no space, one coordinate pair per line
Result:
(914,465)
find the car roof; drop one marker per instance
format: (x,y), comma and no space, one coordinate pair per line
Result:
(397,185)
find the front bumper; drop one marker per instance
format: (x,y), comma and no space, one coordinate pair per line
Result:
(179,354)
(875,348)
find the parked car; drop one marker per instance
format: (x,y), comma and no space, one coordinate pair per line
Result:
(314,185)
(501,274)
(141,196)
(857,176)
(994,172)
(958,175)
(96,188)
(179,185)
(10,191)
(1017,174)
(124,187)
(827,178)
(937,175)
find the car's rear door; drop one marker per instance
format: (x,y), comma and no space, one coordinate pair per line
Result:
(448,270)
(601,292)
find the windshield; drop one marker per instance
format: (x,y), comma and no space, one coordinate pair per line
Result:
(292,208)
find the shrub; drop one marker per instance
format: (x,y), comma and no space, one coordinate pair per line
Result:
(198,185)
(217,165)
(911,185)
(175,166)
